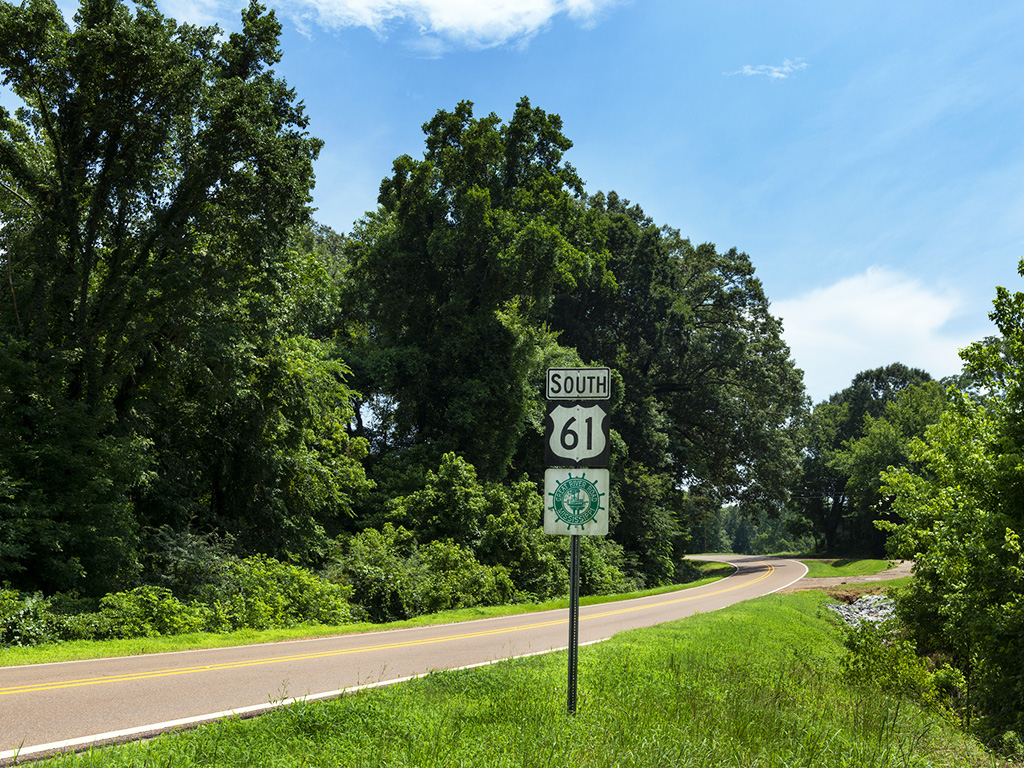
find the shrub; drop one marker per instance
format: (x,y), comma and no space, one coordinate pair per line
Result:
(260,592)
(145,611)
(450,577)
(535,561)
(880,658)
(27,619)
(451,505)
(376,566)
(392,578)
(601,568)
(186,562)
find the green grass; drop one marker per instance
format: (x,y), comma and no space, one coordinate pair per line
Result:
(757,684)
(823,569)
(11,657)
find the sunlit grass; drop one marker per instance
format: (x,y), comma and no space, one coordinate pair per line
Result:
(756,684)
(823,569)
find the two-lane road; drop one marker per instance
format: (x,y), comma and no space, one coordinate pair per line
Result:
(50,707)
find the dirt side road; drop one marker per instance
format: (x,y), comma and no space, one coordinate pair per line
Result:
(898,571)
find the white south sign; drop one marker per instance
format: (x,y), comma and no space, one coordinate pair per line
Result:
(578,384)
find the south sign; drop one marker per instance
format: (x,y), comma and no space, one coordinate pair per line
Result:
(579,384)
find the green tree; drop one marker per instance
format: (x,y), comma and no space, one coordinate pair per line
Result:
(148,188)
(710,396)
(484,264)
(823,496)
(962,521)
(885,443)
(455,271)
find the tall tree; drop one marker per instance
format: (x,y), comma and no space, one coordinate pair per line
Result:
(884,444)
(147,189)
(455,271)
(484,263)
(711,395)
(962,508)
(823,495)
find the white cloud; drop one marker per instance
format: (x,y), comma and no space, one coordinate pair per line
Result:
(869,321)
(475,23)
(788,67)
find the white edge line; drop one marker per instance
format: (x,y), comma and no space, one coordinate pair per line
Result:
(794,581)
(155,728)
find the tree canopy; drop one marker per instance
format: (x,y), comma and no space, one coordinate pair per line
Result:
(485,263)
(962,522)
(850,439)
(711,397)
(149,186)
(455,272)
(189,364)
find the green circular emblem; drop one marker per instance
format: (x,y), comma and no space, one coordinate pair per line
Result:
(576,501)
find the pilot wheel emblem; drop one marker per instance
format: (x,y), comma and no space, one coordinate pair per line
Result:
(576,501)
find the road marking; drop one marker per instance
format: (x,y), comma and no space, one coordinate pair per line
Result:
(155,728)
(132,677)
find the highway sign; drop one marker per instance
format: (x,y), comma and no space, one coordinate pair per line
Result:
(577,435)
(579,384)
(576,502)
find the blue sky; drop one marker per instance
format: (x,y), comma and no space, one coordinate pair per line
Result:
(867,156)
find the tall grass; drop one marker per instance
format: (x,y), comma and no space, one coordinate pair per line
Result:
(757,684)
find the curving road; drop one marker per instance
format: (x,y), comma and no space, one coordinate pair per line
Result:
(57,707)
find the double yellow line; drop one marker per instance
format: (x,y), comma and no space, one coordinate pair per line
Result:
(57,685)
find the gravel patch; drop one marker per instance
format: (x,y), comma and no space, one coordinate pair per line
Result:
(874,608)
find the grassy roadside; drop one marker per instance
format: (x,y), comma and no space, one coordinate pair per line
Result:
(756,684)
(71,651)
(824,569)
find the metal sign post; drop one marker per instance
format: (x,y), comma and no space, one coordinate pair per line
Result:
(574,620)
(576,483)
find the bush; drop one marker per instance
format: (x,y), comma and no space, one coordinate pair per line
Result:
(450,577)
(879,657)
(262,593)
(146,611)
(535,561)
(376,566)
(392,578)
(255,593)
(27,620)
(601,568)
(452,504)
(186,562)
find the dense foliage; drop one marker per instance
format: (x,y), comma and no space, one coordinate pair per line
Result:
(216,414)
(250,593)
(194,375)
(153,369)
(485,264)
(963,510)
(850,439)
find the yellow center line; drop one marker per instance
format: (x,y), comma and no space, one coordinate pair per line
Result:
(36,687)
(765,575)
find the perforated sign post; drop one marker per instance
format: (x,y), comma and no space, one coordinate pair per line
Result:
(576,483)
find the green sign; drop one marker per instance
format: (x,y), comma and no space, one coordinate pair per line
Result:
(576,501)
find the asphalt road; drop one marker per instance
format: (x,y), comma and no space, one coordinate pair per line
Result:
(59,707)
